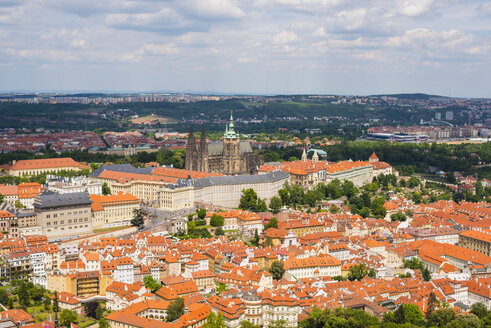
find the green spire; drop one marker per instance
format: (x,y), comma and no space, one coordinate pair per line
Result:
(229,129)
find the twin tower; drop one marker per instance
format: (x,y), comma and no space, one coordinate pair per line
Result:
(230,156)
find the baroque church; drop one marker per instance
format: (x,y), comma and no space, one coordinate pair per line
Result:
(230,156)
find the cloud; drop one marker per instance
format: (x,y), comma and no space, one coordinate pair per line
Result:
(285,37)
(212,9)
(414,8)
(158,49)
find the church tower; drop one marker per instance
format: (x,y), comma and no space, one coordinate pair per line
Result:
(231,149)
(203,151)
(191,153)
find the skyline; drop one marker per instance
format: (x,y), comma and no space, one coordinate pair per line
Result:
(257,47)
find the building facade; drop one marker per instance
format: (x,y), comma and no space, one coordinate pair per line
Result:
(230,156)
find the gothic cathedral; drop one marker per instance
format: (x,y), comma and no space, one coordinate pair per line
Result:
(230,156)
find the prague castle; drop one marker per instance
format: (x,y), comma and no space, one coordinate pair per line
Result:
(230,156)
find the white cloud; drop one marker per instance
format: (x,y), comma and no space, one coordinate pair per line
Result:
(213,9)
(285,37)
(158,49)
(414,8)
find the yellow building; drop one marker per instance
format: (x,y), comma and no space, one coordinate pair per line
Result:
(82,284)
(38,166)
(113,210)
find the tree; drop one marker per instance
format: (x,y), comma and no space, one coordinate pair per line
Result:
(413,182)
(273,223)
(103,323)
(477,309)
(47,304)
(248,324)
(91,309)
(4,298)
(160,157)
(333,209)
(99,312)
(201,213)
(219,231)
(432,304)
(105,189)
(400,314)
(277,270)
(23,295)
(348,188)
(175,309)
(285,196)
(441,317)
(68,317)
(358,271)
(221,287)
(214,321)
(56,306)
(18,204)
(217,220)
(255,241)
(465,321)
(251,202)
(399,216)
(138,218)
(11,303)
(278,324)
(297,195)
(275,204)
(151,283)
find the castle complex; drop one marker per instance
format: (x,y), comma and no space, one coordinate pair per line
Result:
(230,156)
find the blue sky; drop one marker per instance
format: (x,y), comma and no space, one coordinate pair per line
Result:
(247,46)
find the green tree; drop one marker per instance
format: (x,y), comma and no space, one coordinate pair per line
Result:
(297,195)
(68,317)
(103,323)
(399,216)
(4,298)
(348,189)
(11,303)
(275,204)
(358,271)
(441,317)
(333,209)
(106,190)
(221,287)
(201,213)
(312,197)
(465,321)
(251,202)
(248,324)
(278,324)
(151,283)
(273,223)
(138,218)
(91,309)
(214,321)
(56,306)
(217,220)
(219,231)
(160,157)
(477,309)
(18,205)
(175,309)
(400,314)
(277,270)
(285,196)
(23,295)
(431,307)
(413,182)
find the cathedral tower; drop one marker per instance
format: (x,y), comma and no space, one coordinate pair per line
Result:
(231,148)
(203,151)
(191,153)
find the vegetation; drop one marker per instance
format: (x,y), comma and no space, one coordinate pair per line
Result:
(251,202)
(358,271)
(214,321)
(416,264)
(138,218)
(106,190)
(151,283)
(273,223)
(277,270)
(175,309)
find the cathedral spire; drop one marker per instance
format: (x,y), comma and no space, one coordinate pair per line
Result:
(304,156)
(230,129)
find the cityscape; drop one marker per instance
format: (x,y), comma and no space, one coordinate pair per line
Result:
(235,164)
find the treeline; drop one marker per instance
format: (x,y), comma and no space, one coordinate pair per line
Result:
(163,157)
(406,316)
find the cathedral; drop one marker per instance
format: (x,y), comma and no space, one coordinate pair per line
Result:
(230,156)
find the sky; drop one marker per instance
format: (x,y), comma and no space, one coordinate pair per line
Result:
(247,46)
